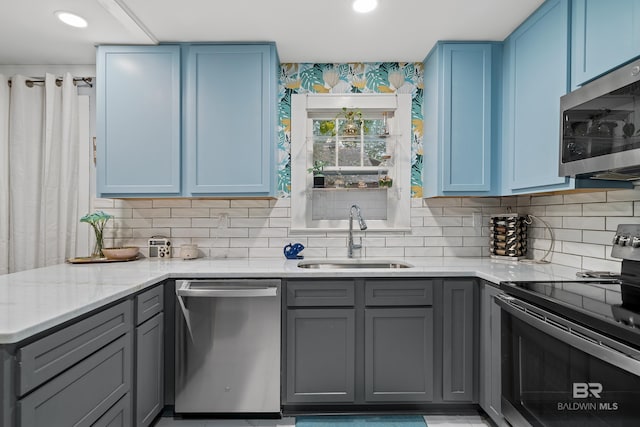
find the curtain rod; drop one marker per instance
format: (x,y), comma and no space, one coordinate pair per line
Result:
(30,82)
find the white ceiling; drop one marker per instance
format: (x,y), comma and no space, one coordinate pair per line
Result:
(304,30)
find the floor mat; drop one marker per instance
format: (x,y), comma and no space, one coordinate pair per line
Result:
(361,421)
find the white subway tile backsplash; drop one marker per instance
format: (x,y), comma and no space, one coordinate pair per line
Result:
(583,225)
(207,203)
(417,221)
(595,197)
(424,252)
(569,235)
(189,232)
(461,211)
(248,222)
(450,221)
(249,203)
(249,243)
(230,212)
(562,210)
(405,241)
(151,213)
(598,237)
(442,202)
(229,232)
(171,203)
(623,195)
(609,209)
(426,231)
(145,233)
(475,241)
(481,201)
(280,203)
(328,242)
(613,221)
(384,252)
(546,200)
(463,251)
(190,212)
(268,232)
(280,222)
(132,203)
(584,249)
(269,212)
(204,222)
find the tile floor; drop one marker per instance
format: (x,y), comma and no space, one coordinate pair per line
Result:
(432,421)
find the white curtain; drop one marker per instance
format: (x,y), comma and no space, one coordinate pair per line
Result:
(42,146)
(4,175)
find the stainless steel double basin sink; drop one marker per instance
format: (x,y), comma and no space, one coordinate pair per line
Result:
(352,263)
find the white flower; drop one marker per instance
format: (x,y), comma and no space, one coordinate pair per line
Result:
(396,78)
(341,87)
(330,77)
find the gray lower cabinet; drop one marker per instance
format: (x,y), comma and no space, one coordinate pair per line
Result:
(119,415)
(490,355)
(149,359)
(398,354)
(83,393)
(363,341)
(320,355)
(97,371)
(459,340)
(149,370)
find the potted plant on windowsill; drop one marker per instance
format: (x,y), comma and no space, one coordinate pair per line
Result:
(352,121)
(318,176)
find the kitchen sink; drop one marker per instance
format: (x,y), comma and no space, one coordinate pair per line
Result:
(352,263)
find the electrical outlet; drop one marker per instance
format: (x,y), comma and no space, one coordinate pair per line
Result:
(223,220)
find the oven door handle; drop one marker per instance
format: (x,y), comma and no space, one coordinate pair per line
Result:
(576,336)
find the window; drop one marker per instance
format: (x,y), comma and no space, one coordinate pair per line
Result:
(361,144)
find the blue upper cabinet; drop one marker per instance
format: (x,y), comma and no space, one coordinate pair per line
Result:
(138,121)
(461,119)
(229,119)
(536,60)
(605,34)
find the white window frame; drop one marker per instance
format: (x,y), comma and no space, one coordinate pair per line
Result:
(398,196)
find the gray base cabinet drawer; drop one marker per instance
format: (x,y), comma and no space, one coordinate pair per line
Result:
(407,292)
(149,303)
(118,416)
(318,293)
(398,354)
(46,358)
(84,393)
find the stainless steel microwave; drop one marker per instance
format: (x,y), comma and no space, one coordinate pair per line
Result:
(600,127)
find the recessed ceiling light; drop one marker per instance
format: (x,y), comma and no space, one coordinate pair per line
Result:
(364,6)
(71,19)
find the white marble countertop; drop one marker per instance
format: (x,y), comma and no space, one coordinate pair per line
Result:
(35,300)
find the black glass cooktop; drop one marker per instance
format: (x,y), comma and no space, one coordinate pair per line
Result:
(609,306)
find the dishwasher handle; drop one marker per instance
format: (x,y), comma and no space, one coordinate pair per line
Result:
(235,289)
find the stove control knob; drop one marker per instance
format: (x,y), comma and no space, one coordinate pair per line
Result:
(616,239)
(624,240)
(635,242)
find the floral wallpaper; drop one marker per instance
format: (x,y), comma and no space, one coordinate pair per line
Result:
(376,77)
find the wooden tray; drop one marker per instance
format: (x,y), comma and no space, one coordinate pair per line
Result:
(89,260)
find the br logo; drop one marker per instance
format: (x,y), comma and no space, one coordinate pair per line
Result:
(585,390)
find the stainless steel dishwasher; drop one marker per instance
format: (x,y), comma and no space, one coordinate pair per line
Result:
(227,346)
